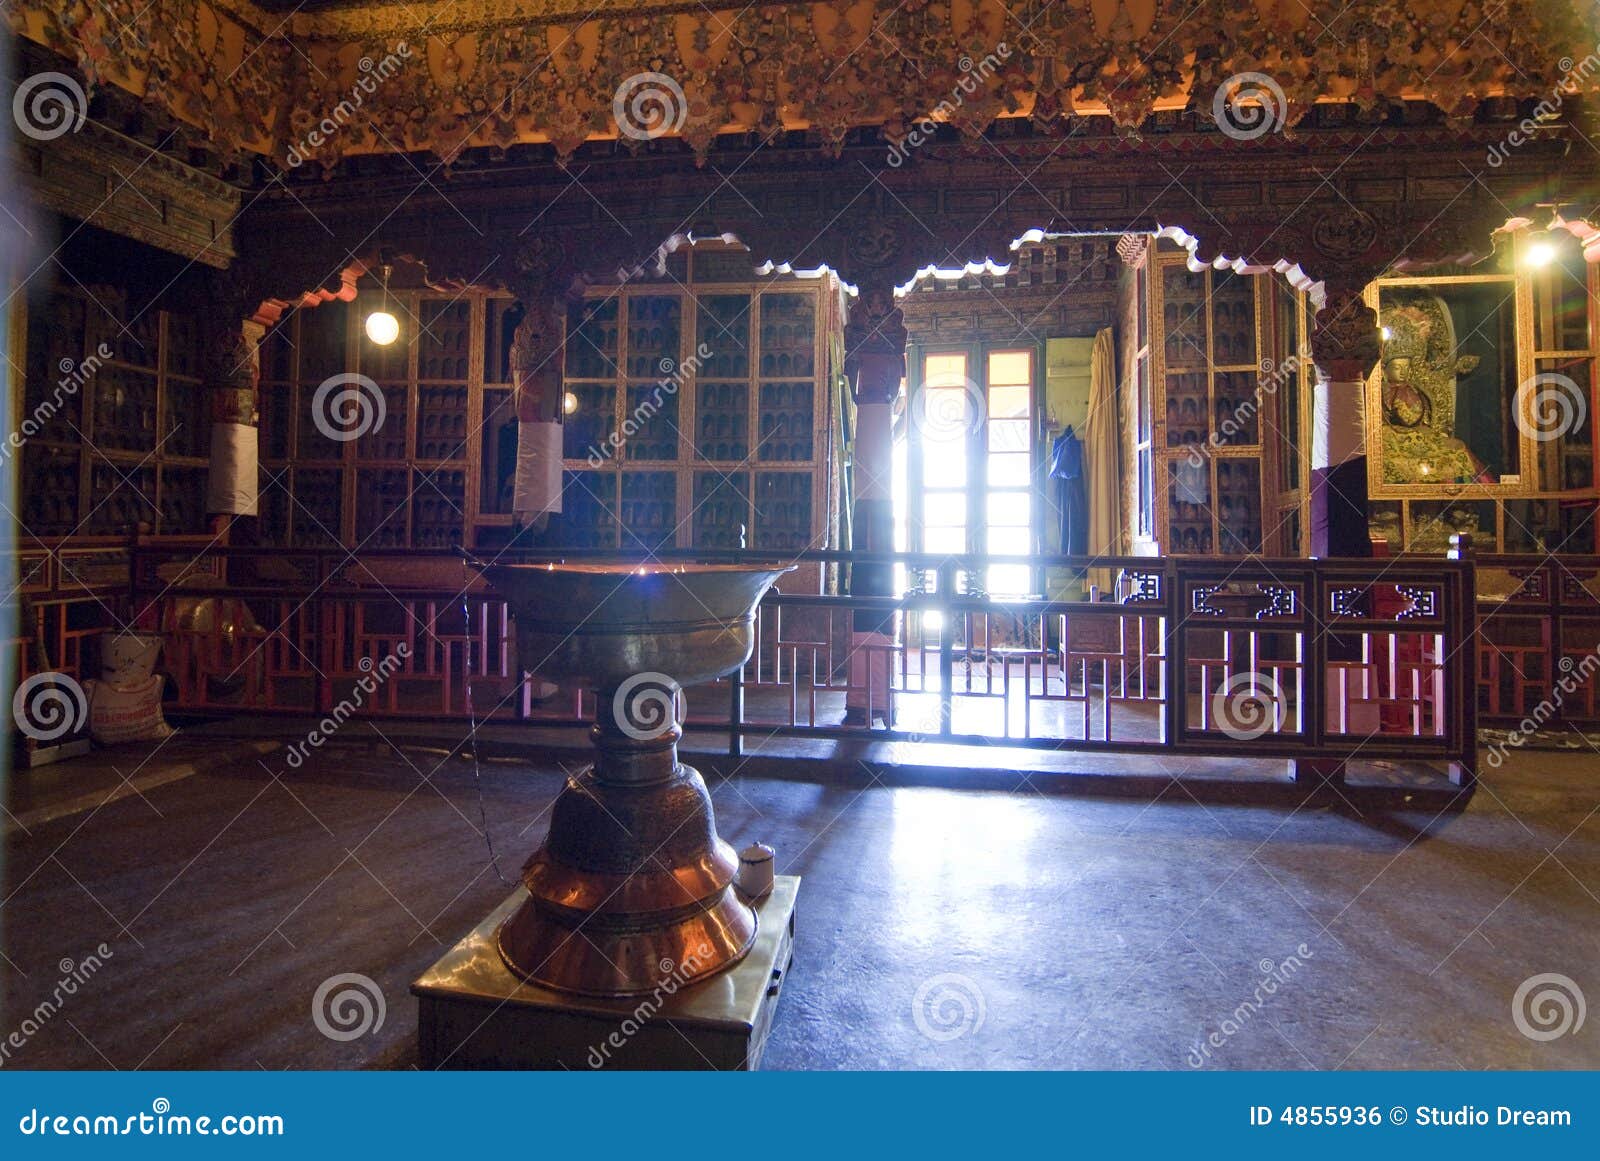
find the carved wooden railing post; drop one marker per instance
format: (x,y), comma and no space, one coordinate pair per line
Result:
(875,362)
(231,341)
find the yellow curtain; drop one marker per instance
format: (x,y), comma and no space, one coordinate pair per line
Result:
(1100,452)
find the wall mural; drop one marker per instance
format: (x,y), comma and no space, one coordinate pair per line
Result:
(369,79)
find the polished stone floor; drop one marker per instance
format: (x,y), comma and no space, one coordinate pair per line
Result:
(938,927)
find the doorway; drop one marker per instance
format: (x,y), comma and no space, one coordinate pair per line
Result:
(971,466)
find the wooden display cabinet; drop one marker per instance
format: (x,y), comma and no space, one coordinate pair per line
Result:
(1481,415)
(122,441)
(699,413)
(402,483)
(700,410)
(1213,426)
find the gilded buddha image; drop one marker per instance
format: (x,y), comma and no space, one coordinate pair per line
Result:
(1432,396)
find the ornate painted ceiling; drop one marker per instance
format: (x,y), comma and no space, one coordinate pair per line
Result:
(316,83)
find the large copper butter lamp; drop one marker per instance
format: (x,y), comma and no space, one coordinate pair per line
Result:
(632,879)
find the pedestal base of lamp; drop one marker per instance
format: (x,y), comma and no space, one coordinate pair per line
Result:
(474,1013)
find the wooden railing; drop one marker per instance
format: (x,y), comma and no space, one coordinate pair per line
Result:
(1539,641)
(1295,659)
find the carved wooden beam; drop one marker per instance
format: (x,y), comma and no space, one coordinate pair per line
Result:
(364,79)
(1329,204)
(99,176)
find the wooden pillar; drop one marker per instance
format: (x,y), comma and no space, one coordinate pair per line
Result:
(232,370)
(875,362)
(536,367)
(1344,347)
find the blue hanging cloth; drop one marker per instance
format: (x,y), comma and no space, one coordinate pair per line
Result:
(1072,498)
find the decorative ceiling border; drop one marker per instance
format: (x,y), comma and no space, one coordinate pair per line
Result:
(382,83)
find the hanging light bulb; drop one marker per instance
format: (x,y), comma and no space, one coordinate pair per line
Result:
(569,403)
(1539,254)
(382,327)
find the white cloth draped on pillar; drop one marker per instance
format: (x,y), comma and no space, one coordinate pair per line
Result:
(233,479)
(536,488)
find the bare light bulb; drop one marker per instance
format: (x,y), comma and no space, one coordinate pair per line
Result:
(382,327)
(1540,254)
(569,403)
